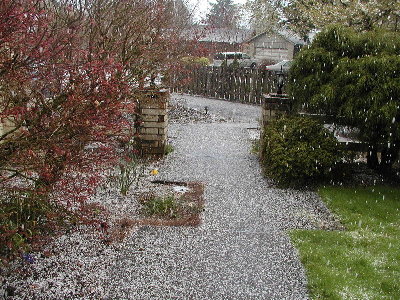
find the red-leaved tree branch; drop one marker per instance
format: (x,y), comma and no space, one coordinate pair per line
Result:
(56,99)
(67,73)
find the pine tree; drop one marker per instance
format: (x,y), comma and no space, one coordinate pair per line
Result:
(354,77)
(181,16)
(265,14)
(303,15)
(223,14)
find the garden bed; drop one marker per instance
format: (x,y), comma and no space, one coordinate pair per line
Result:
(181,206)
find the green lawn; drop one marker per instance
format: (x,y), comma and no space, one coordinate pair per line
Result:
(362,262)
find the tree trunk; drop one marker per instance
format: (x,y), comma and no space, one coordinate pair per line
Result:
(141,83)
(389,156)
(372,157)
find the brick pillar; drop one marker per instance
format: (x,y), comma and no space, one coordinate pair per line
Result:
(153,113)
(273,106)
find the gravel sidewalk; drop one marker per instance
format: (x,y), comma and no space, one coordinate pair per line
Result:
(241,251)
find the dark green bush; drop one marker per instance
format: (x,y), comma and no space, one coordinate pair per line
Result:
(297,150)
(21,214)
(25,216)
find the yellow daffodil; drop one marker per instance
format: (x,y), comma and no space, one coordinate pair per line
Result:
(154,172)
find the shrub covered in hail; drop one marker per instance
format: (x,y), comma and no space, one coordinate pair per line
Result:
(296,150)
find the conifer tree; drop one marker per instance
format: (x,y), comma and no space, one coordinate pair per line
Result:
(355,78)
(223,14)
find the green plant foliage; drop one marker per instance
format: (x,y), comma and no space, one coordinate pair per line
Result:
(194,60)
(255,146)
(361,262)
(168,149)
(162,206)
(296,150)
(356,78)
(234,65)
(22,216)
(224,64)
(130,170)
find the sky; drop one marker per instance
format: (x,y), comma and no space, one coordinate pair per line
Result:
(201,7)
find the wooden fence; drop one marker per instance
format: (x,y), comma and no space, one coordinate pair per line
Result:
(242,84)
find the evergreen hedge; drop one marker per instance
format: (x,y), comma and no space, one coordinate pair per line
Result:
(298,150)
(354,76)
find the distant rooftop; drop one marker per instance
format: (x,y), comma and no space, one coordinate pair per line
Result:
(285,33)
(220,35)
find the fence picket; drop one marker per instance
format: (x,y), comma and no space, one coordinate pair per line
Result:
(241,84)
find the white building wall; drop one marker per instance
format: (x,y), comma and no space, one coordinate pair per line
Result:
(272,47)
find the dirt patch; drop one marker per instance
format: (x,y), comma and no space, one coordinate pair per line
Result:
(118,231)
(187,210)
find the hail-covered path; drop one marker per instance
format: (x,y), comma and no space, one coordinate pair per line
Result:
(242,249)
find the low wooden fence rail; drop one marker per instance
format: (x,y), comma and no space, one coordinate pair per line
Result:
(275,105)
(241,84)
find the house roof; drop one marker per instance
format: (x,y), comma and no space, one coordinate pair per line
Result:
(220,35)
(286,34)
(224,35)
